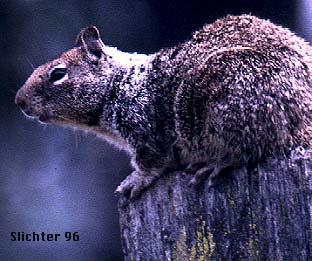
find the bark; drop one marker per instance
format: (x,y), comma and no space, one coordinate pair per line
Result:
(253,213)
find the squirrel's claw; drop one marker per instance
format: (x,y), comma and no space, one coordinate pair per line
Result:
(202,173)
(134,184)
(194,167)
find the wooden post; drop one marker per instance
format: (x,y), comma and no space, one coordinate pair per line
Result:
(259,213)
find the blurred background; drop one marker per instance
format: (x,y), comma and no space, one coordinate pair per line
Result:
(54,179)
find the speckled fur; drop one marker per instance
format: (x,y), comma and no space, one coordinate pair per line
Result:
(238,91)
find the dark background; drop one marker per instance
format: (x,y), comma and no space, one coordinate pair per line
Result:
(54,179)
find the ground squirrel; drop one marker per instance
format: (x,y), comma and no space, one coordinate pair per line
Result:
(237,91)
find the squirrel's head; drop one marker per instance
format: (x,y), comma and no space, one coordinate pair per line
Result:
(69,89)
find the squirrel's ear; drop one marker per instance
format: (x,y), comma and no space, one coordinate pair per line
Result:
(89,39)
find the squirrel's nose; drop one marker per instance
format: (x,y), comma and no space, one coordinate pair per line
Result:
(20,100)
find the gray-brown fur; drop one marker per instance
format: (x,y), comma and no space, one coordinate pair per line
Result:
(238,91)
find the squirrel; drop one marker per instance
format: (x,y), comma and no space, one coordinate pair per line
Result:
(238,91)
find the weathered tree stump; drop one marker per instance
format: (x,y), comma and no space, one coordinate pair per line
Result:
(259,213)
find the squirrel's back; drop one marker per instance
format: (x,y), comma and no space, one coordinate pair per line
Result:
(245,93)
(247,30)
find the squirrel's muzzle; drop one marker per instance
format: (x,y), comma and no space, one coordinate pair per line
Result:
(20,99)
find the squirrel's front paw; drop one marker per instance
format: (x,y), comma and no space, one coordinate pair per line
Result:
(134,184)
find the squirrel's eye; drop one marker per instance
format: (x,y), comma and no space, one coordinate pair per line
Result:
(57,74)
